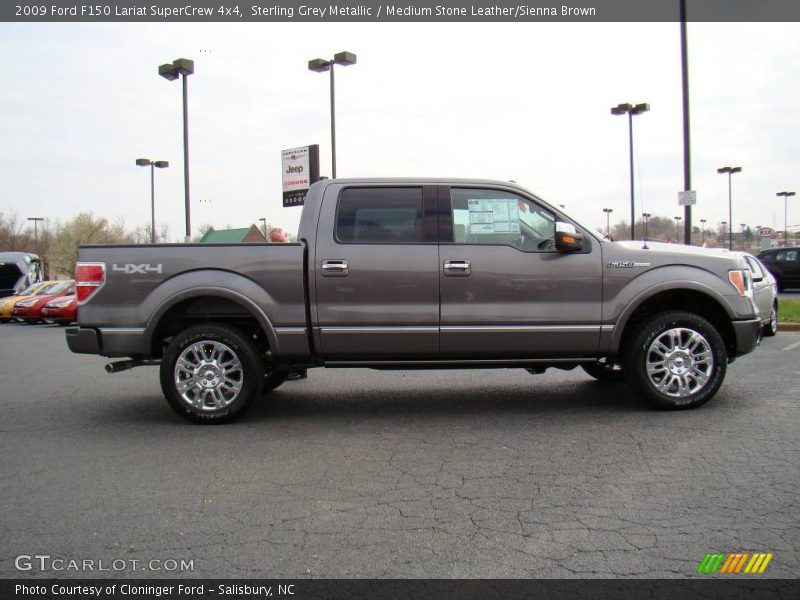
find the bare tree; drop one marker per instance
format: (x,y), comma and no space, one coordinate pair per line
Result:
(84,229)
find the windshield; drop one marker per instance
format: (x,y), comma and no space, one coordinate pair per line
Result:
(56,288)
(28,291)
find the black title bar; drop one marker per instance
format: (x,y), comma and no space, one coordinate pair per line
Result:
(738,588)
(197,11)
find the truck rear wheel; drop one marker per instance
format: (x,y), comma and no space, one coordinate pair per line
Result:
(210,373)
(676,360)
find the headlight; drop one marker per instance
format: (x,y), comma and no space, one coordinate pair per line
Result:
(59,304)
(742,280)
(25,303)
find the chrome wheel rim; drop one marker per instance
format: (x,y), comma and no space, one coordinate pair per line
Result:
(773,320)
(208,376)
(680,362)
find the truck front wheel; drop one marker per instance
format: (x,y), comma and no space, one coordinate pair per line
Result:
(676,360)
(210,373)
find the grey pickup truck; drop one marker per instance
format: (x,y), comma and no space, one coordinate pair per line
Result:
(416,274)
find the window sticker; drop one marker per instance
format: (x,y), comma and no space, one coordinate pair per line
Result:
(493,215)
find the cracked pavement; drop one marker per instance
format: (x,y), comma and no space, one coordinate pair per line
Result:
(362,474)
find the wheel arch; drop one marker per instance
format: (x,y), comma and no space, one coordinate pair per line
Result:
(207,304)
(692,297)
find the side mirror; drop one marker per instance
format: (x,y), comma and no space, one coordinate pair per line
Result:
(567,238)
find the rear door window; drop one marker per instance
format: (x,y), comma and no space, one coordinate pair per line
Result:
(381,215)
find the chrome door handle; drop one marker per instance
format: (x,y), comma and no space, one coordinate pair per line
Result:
(458,268)
(334,268)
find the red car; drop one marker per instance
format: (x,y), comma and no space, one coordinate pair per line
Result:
(30,309)
(62,310)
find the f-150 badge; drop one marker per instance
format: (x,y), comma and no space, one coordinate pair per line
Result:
(130,269)
(626,264)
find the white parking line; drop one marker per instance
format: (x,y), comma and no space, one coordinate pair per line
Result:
(792,346)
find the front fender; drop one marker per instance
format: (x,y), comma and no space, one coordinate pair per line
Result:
(621,303)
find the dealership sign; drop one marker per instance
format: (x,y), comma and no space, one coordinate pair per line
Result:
(765,232)
(300,168)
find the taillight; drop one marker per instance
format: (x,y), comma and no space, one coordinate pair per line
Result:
(88,279)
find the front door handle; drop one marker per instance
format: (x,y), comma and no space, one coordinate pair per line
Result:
(457,268)
(334,268)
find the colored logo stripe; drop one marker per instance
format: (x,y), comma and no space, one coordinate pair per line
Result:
(734,562)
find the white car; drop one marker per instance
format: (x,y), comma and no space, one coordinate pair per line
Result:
(765,294)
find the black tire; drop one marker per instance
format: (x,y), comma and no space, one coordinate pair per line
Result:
(233,378)
(602,370)
(273,379)
(688,377)
(771,328)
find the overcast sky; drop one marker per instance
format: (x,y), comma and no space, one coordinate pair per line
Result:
(522,101)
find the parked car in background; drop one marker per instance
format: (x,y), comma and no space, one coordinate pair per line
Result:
(765,294)
(61,309)
(18,270)
(30,309)
(6,304)
(784,264)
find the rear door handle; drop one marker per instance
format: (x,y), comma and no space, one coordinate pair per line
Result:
(457,268)
(334,268)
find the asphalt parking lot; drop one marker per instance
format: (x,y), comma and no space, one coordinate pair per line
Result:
(358,473)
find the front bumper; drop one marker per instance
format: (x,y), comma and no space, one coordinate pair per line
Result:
(748,335)
(60,315)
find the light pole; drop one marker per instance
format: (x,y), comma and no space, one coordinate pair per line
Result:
(677,230)
(645,216)
(320,65)
(36,231)
(724,223)
(703,232)
(184,67)
(630,110)
(608,212)
(264,221)
(161,164)
(785,213)
(687,153)
(730,171)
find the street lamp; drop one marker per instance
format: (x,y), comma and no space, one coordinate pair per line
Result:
(320,65)
(36,231)
(645,216)
(785,221)
(161,164)
(630,110)
(608,212)
(730,171)
(703,233)
(677,230)
(184,67)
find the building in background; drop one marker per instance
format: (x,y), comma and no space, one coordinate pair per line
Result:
(233,236)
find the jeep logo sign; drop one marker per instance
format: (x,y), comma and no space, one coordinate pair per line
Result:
(300,170)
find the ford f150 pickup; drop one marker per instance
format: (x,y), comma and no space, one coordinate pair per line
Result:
(411,274)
